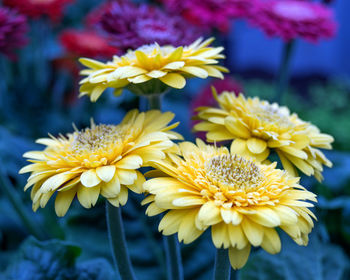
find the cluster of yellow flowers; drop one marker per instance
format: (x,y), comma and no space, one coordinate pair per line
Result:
(238,193)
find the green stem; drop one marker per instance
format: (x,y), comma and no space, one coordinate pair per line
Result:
(18,205)
(154,101)
(117,241)
(173,258)
(283,74)
(222,270)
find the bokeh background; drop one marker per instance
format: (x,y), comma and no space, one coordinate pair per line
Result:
(39,95)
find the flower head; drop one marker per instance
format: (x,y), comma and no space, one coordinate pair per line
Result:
(100,160)
(130,26)
(206,98)
(291,19)
(210,13)
(150,67)
(258,127)
(37,8)
(86,43)
(241,200)
(13,28)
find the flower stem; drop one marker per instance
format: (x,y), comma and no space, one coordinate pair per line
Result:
(173,258)
(154,101)
(18,205)
(117,241)
(222,270)
(283,74)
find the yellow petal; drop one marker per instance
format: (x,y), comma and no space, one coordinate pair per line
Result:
(174,65)
(121,199)
(271,242)
(171,221)
(130,162)
(112,188)
(188,232)
(106,173)
(137,186)
(253,231)
(256,146)
(156,74)
(266,217)
(63,201)
(231,216)
(89,178)
(195,71)
(220,235)
(238,258)
(238,146)
(219,135)
(294,152)
(96,92)
(237,236)
(174,80)
(209,214)
(176,54)
(56,181)
(139,79)
(126,177)
(236,128)
(88,196)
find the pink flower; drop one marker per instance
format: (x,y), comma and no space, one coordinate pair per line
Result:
(206,99)
(13,28)
(36,8)
(291,19)
(130,26)
(210,13)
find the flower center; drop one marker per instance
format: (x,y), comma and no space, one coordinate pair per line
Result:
(233,172)
(294,10)
(272,114)
(96,138)
(151,50)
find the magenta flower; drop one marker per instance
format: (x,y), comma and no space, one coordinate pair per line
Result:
(210,13)
(13,28)
(130,26)
(291,19)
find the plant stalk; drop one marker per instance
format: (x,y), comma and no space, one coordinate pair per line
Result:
(283,74)
(21,211)
(154,102)
(117,241)
(222,268)
(173,258)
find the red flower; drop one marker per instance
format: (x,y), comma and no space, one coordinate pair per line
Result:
(86,43)
(13,29)
(37,8)
(291,19)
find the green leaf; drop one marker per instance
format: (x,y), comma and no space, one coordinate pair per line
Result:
(55,260)
(318,260)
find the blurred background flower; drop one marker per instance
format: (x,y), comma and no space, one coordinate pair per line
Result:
(291,19)
(130,26)
(13,29)
(86,43)
(210,14)
(36,8)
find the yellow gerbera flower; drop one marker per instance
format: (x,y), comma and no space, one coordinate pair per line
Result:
(241,200)
(152,68)
(102,160)
(259,127)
